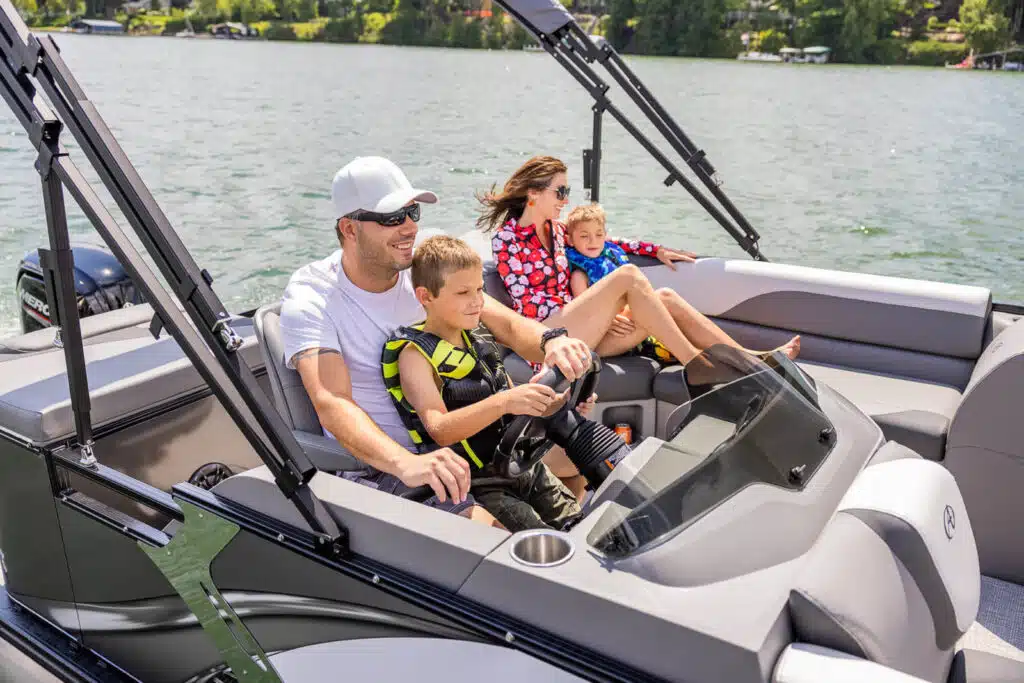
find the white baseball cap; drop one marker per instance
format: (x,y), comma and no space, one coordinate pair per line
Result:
(374,184)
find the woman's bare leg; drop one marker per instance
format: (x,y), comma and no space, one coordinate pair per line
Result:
(589,316)
(703,332)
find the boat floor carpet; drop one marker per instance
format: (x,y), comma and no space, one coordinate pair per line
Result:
(999,628)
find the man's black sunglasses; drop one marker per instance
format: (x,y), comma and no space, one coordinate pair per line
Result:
(388,219)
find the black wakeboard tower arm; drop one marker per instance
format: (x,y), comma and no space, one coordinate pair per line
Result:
(562,37)
(211,344)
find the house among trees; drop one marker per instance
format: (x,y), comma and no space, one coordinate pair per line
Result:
(95,26)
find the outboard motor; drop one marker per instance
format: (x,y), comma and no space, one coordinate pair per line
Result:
(101,284)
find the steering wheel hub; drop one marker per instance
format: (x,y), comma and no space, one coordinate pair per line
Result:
(591,446)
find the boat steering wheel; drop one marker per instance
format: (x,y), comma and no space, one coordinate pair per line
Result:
(520,446)
(519,449)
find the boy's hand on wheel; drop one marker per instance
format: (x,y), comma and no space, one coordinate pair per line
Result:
(529,399)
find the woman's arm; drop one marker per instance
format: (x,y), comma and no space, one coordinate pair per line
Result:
(638,247)
(663,254)
(510,268)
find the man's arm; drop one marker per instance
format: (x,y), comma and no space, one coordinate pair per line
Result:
(327,381)
(523,335)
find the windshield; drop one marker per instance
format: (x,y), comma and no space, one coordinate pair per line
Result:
(754,422)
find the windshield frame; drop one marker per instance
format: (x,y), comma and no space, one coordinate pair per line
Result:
(764,448)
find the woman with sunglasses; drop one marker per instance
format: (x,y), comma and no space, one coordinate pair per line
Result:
(529,247)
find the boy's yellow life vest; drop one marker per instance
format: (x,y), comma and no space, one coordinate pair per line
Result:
(467,376)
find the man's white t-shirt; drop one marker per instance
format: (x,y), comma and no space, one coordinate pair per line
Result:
(322,308)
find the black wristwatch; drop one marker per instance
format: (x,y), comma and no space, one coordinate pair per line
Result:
(551,334)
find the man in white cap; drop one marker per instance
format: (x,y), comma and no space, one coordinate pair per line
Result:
(338,312)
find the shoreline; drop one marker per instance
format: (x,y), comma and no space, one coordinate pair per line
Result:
(368,43)
(935,48)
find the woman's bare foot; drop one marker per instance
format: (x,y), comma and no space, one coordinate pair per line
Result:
(790,349)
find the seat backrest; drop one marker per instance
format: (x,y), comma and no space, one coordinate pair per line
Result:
(493,284)
(988,417)
(290,395)
(894,577)
(985,452)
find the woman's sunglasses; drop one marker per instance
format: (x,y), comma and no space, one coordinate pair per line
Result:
(562,192)
(389,219)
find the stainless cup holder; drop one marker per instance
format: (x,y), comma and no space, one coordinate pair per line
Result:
(542,548)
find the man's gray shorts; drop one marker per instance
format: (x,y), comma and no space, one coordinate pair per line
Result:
(388,483)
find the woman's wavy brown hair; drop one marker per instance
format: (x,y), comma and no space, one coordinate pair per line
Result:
(535,174)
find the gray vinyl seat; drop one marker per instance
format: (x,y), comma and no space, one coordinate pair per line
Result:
(291,399)
(128,371)
(122,323)
(406,659)
(913,412)
(878,585)
(937,420)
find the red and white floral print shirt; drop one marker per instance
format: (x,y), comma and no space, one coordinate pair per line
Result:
(536,279)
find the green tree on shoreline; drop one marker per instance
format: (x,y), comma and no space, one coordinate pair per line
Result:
(985,27)
(865,22)
(858,31)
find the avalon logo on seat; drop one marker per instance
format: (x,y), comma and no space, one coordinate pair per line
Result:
(949,521)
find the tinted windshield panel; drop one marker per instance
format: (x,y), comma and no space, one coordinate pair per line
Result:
(758,423)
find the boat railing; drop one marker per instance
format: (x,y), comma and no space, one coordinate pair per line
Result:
(31,66)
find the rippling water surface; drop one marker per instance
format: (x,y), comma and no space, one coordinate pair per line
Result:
(901,171)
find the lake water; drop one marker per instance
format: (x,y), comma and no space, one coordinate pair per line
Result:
(902,171)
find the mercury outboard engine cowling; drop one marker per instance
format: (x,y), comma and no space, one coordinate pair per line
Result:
(101,284)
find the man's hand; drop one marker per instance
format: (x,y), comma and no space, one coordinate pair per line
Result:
(667,256)
(569,355)
(529,399)
(442,470)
